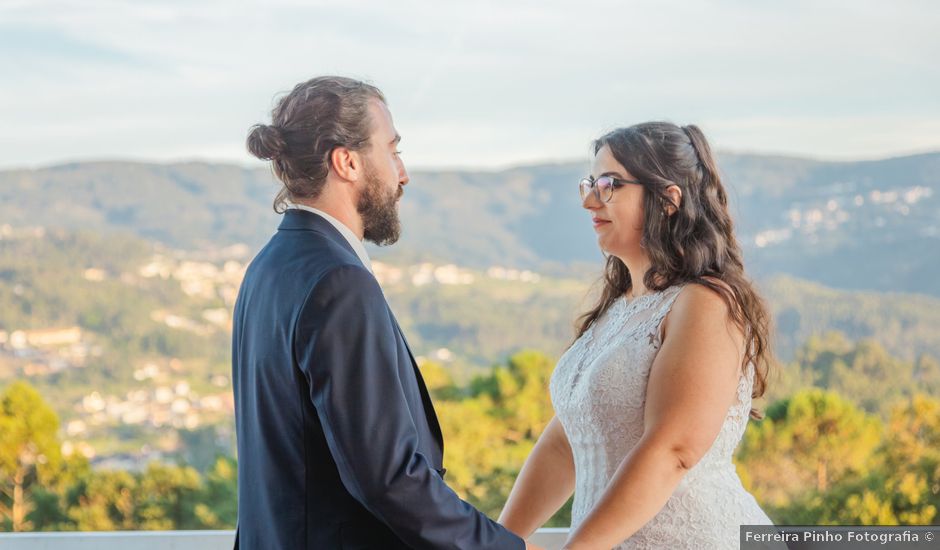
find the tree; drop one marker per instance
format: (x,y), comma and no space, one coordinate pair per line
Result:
(903,488)
(927,375)
(167,497)
(106,501)
(912,460)
(809,441)
(519,393)
(870,377)
(491,431)
(821,353)
(863,372)
(30,452)
(218,499)
(56,500)
(439,381)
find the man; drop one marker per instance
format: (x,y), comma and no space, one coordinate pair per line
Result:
(338,442)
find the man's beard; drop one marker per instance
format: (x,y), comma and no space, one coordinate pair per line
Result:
(379,211)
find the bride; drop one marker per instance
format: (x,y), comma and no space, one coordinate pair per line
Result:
(654,395)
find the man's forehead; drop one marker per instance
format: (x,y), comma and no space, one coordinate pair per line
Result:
(382,118)
(380,110)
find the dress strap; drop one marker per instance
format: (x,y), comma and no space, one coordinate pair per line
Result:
(654,322)
(669,297)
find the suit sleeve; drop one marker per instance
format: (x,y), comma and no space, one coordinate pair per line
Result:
(347,346)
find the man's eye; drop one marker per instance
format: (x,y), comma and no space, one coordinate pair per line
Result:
(397,152)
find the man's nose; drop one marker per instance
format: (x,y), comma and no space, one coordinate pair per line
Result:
(403,177)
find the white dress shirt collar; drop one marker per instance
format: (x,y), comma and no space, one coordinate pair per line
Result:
(347,233)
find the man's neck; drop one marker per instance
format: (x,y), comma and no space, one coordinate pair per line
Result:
(343,211)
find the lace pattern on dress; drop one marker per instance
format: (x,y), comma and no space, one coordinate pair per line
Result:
(598,390)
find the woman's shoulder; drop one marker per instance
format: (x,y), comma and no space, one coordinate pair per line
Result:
(705,291)
(699,303)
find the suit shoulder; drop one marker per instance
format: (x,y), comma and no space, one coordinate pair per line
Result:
(351,279)
(348,292)
(307,253)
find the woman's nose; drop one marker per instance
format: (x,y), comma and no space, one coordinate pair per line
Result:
(590,201)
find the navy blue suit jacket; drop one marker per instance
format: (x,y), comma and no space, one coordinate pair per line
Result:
(338,443)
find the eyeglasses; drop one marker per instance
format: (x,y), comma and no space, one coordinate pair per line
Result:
(603,186)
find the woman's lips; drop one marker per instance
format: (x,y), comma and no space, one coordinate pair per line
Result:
(599,222)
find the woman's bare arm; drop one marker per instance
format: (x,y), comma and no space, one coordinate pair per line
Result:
(544,484)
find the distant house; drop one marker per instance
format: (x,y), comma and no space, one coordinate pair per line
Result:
(42,338)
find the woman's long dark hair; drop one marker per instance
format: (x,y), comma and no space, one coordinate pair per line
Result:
(696,244)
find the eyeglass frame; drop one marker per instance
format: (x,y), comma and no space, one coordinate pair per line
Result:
(615,183)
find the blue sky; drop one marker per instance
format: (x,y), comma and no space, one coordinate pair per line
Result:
(470,84)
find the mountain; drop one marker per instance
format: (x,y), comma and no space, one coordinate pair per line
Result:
(188,206)
(872,225)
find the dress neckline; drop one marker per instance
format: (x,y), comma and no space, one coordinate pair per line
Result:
(646,297)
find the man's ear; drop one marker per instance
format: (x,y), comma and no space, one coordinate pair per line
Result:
(674,199)
(347,164)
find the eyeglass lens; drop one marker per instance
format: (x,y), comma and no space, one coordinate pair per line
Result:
(602,186)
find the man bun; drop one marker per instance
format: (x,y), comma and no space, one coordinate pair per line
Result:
(266,142)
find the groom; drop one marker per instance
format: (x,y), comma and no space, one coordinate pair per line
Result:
(338,443)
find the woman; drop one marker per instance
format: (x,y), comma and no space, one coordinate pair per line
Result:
(654,395)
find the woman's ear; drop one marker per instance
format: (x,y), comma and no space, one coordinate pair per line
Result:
(674,199)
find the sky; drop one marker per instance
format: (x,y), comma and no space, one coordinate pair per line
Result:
(470,84)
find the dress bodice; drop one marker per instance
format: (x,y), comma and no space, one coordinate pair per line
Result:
(598,390)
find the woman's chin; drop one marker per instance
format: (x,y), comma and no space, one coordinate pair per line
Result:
(612,249)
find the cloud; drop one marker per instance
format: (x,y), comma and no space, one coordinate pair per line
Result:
(471,84)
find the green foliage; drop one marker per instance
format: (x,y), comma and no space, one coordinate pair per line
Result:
(168,497)
(840,455)
(218,502)
(905,325)
(863,372)
(43,285)
(161,497)
(29,451)
(816,459)
(491,429)
(912,460)
(813,439)
(105,501)
(439,381)
(42,490)
(489,318)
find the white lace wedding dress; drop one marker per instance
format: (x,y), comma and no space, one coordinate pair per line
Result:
(598,390)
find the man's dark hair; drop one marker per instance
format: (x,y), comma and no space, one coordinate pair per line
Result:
(307,124)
